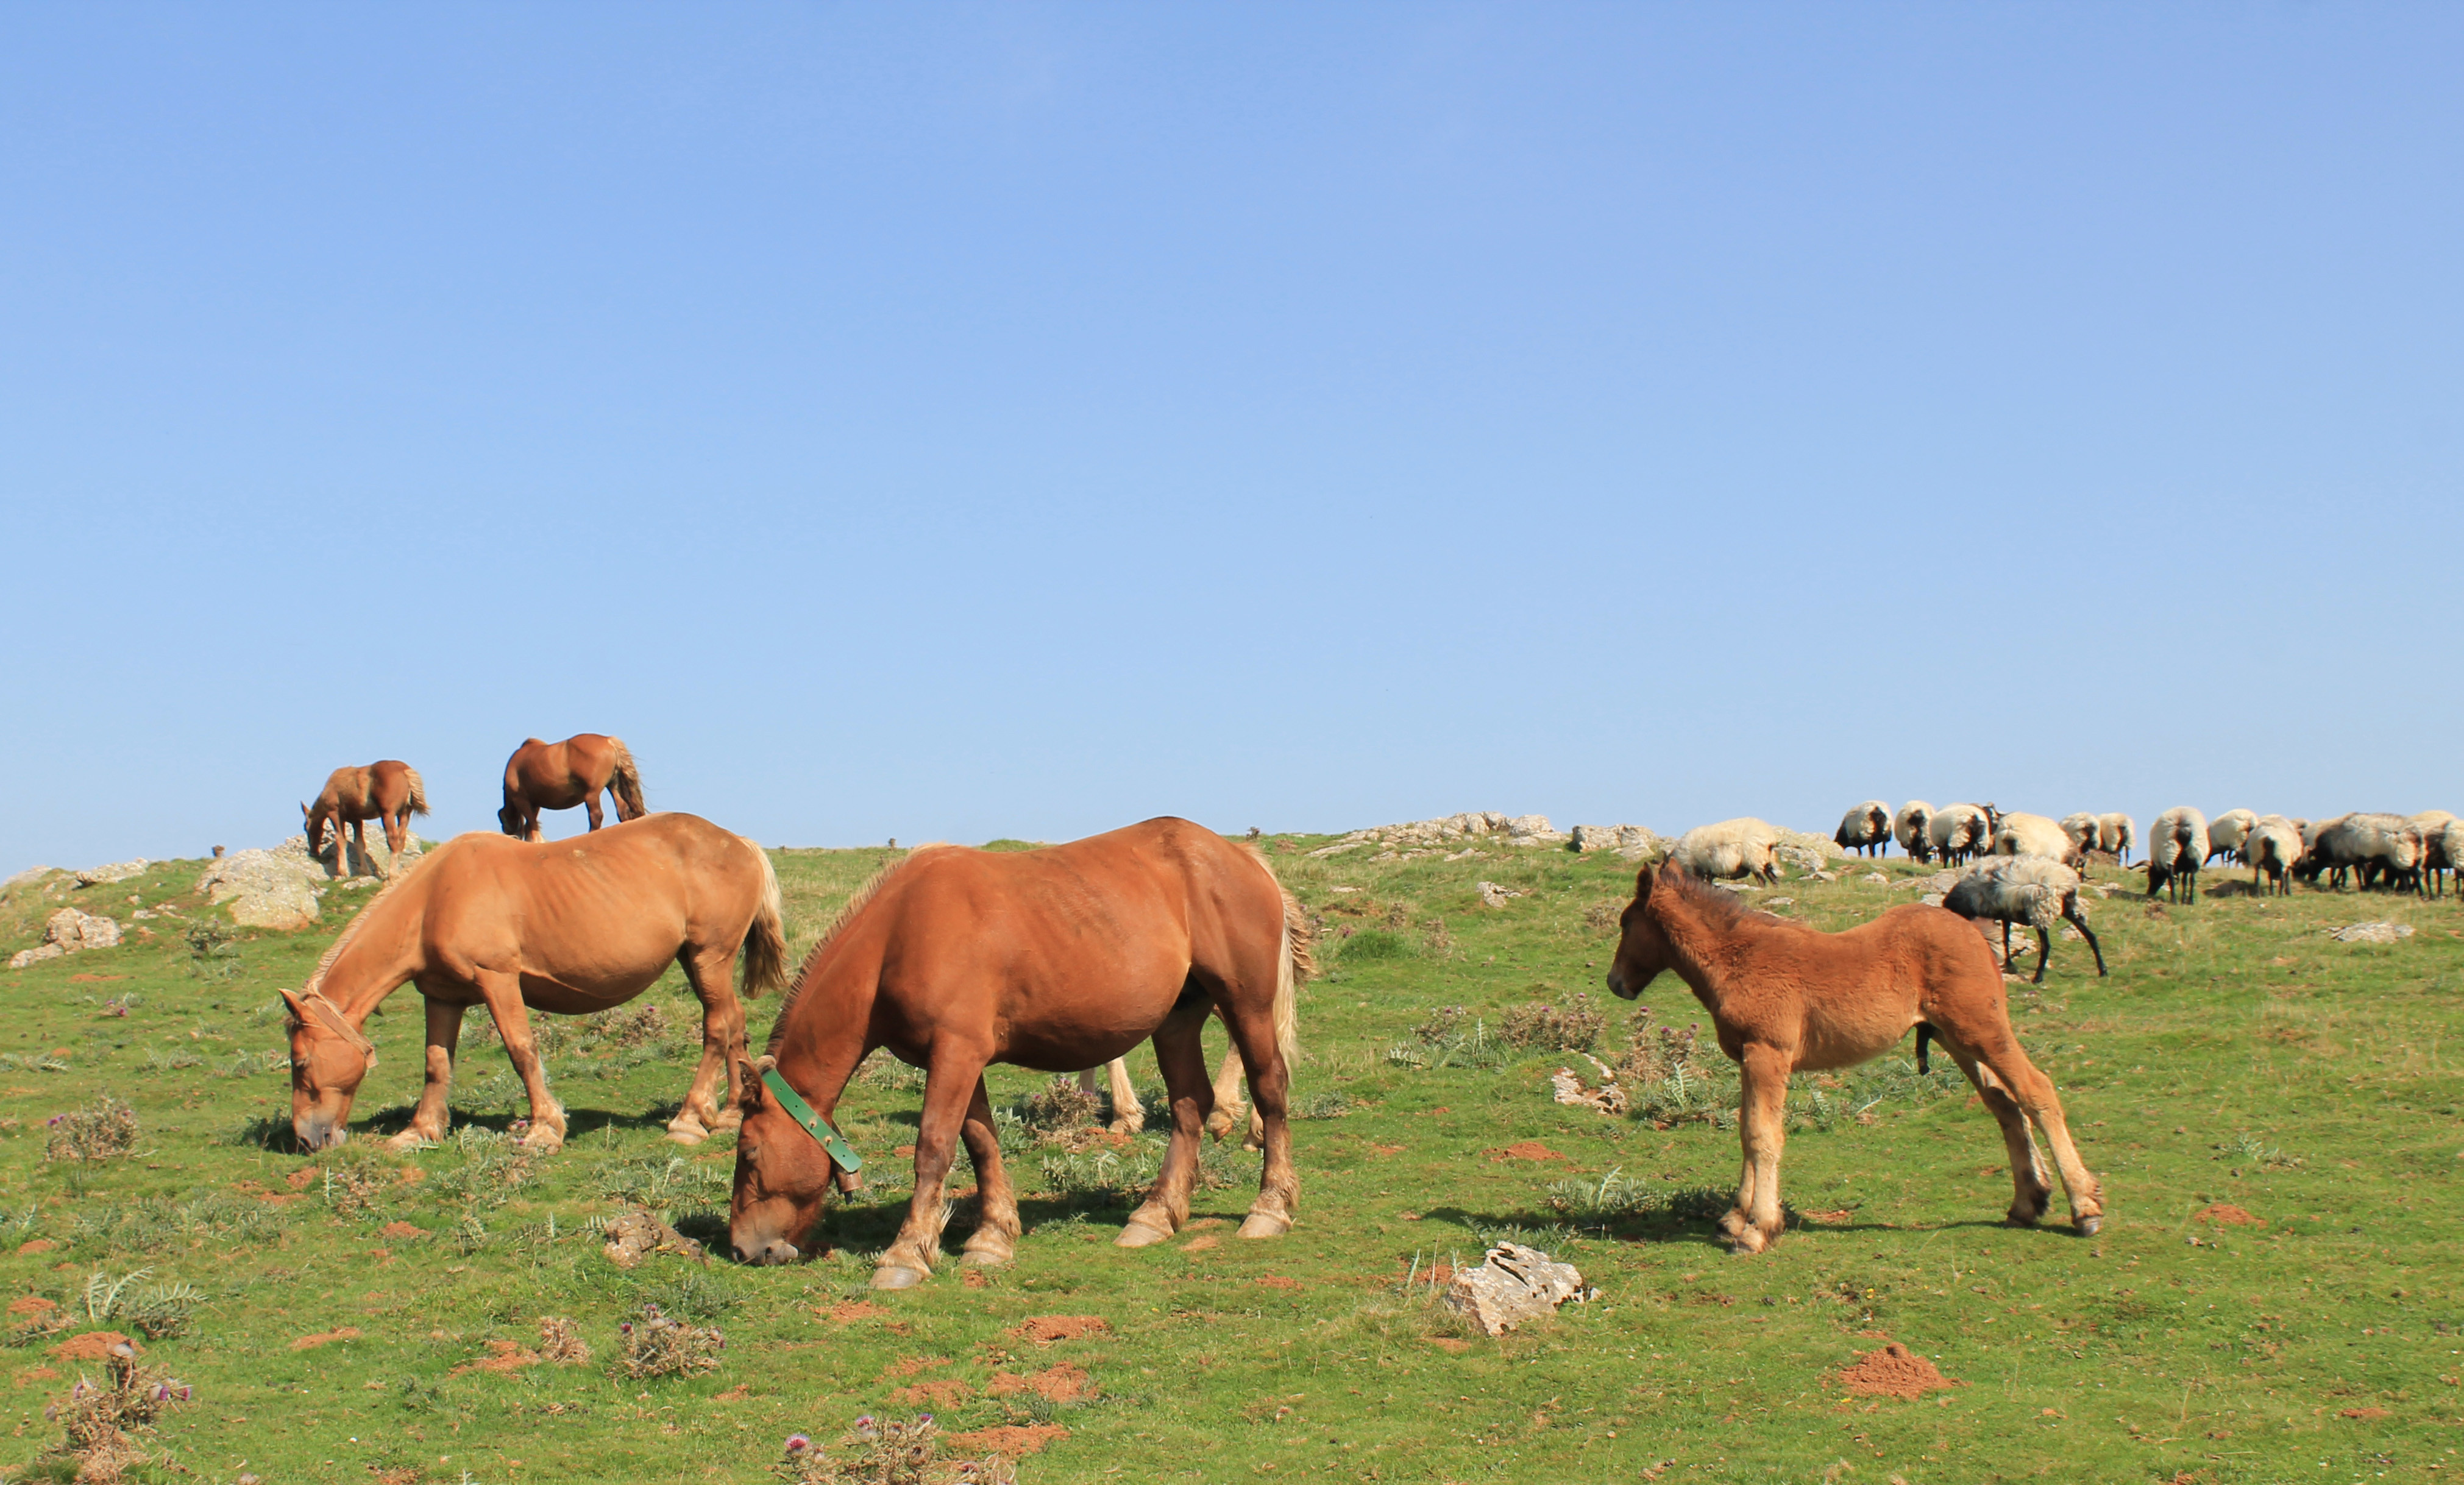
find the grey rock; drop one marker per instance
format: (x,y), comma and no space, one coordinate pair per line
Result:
(1514,1284)
(2372,933)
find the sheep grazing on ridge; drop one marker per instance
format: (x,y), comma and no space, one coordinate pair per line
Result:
(1866,827)
(2225,834)
(1731,849)
(2116,833)
(2035,835)
(2030,889)
(2450,852)
(1909,826)
(2437,861)
(2378,850)
(2273,848)
(2081,828)
(1960,833)
(2177,848)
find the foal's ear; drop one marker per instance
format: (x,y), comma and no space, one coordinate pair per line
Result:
(753,1092)
(1642,884)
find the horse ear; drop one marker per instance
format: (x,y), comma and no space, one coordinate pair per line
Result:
(298,1008)
(303,809)
(1642,884)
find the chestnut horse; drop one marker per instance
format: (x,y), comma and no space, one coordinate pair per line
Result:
(389,791)
(1785,998)
(543,775)
(572,928)
(1060,958)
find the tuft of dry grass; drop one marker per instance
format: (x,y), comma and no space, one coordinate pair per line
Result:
(102,1131)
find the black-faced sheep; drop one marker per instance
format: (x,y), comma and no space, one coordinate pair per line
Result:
(2081,829)
(1960,833)
(2380,850)
(2450,850)
(1909,826)
(2226,831)
(2437,861)
(2273,848)
(2021,834)
(2177,848)
(1866,827)
(2117,833)
(1727,850)
(2034,890)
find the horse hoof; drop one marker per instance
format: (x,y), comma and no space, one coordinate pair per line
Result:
(984,1257)
(686,1134)
(1137,1235)
(1266,1224)
(544,1142)
(897,1277)
(2088,1225)
(408,1141)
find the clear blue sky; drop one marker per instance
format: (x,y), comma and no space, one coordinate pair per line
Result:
(953,421)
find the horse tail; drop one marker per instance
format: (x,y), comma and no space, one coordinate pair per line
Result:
(765,942)
(627,782)
(418,791)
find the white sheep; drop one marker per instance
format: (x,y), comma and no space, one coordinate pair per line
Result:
(1867,826)
(1960,832)
(1731,849)
(2226,831)
(2378,849)
(1908,827)
(2177,848)
(2273,848)
(2034,890)
(2117,833)
(2436,862)
(2450,850)
(2021,834)
(2081,828)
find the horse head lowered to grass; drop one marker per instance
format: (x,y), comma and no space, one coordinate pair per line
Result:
(1785,998)
(1058,959)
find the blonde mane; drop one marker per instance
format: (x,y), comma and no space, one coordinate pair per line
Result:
(351,929)
(861,899)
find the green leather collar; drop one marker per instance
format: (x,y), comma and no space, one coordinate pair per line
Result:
(819,1128)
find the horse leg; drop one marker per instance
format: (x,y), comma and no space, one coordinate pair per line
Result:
(996,1228)
(1182,1057)
(360,835)
(949,1088)
(2030,1189)
(1226,1112)
(429,1122)
(503,989)
(1253,1039)
(1128,1115)
(2034,1093)
(592,805)
(712,975)
(1763,1129)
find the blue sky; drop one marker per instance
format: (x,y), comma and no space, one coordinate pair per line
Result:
(956,421)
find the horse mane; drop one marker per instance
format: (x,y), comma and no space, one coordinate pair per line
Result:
(351,929)
(861,899)
(1722,911)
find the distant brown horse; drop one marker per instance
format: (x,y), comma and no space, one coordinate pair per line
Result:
(1785,998)
(573,928)
(389,791)
(1059,959)
(543,775)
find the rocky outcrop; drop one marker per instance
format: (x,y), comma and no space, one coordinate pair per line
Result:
(68,932)
(1634,842)
(1482,825)
(276,888)
(1514,1284)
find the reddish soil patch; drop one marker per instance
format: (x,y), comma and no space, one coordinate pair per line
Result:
(948,1393)
(1200,1244)
(1452,1346)
(1044,1329)
(1201,1224)
(975,1279)
(2365,1414)
(1385,1149)
(94,979)
(1063,1383)
(301,1179)
(401,1230)
(2226,1214)
(913,1365)
(905,1152)
(270,1198)
(38,1245)
(1527,1150)
(847,1311)
(1009,1438)
(734,1394)
(92,1347)
(327,1337)
(32,1304)
(504,1358)
(1842,1215)
(1277,1281)
(33,1374)
(1894,1371)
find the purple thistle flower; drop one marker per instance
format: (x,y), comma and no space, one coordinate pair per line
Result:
(924,1421)
(797,1443)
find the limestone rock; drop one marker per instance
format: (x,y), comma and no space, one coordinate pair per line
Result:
(116,871)
(1491,895)
(2372,933)
(632,1234)
(1634,842)
(1875,879)
(272,888)
(1514,1284)
(68,932)
(1802,858)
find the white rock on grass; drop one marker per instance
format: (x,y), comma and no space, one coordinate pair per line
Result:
(1514,1284)
(1491,895)
(68,932)
(1634,842)
(116,871)
(267,888)
(2372,933)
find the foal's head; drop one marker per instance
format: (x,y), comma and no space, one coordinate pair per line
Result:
(781,1175)
(328,1060)
(1642,949)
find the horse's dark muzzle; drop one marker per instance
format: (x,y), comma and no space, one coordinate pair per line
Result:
(315,1134)
(776,1250)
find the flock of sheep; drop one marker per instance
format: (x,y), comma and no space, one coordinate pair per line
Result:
(2025,868)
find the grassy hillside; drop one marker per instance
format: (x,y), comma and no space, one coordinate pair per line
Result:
(358,1316)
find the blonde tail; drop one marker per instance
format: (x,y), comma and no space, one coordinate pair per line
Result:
(765,942)
(627,783)
(418,791)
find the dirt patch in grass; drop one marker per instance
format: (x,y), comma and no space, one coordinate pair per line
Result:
(1045,1329)
(1385,1149)
(847,1311)
(94,979)
(2225,1213)
(2365,1414)
(310,1342)
(33,1374)
(1452,1346)
(31,1304)
(92,1347)
(948,1393)
(1526,1149)
(1013,1439)
(1200,1244)
(1277,1281)
(1062,1382)
(401,1230)
(504,1358)
(913,1365)
(35,1246)
(1841,1214)
(1893,1371)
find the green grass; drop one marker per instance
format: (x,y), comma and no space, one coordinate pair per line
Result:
(2235,1056)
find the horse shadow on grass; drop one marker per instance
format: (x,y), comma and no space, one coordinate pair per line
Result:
(1688,1217)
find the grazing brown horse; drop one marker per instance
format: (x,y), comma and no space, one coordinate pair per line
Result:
(389,791)
(543,775)
(1785,998)
(1059,959)
(569,928)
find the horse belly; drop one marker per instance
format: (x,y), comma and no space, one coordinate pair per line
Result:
(1845,1035)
